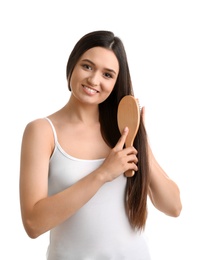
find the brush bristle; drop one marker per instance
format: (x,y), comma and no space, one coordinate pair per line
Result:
(140,108)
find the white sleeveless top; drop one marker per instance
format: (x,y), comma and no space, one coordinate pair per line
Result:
(100,230)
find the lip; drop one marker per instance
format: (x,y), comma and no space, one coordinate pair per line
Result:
(89,90)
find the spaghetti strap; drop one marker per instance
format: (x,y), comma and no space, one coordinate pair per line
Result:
(53,129)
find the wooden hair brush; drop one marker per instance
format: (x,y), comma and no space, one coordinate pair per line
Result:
(128,115)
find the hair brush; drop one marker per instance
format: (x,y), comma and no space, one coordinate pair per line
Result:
(128,115)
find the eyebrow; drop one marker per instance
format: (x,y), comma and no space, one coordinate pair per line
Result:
(110,70)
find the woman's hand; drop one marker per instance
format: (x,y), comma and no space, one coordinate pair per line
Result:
(119,160)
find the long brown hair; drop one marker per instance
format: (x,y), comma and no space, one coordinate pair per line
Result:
(137,186)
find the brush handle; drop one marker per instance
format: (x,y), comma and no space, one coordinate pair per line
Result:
(129,141)
(129,173)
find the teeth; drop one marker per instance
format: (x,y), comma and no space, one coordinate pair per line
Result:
(90,90)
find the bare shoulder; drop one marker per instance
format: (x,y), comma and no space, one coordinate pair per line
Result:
(40,125)
(39,131)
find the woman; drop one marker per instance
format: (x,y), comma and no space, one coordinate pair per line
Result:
(72,180)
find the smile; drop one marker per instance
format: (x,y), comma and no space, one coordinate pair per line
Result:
(90,90)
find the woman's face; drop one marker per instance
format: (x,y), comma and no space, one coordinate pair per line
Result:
(94,75)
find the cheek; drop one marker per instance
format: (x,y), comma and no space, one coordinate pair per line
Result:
(78,75)
(110,86)
(106,92)
(74,78)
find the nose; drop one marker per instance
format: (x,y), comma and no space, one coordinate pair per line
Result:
(93,79)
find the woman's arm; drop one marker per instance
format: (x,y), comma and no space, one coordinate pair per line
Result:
(41,212)
(163,192)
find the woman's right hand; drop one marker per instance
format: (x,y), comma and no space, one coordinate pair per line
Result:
(119,159)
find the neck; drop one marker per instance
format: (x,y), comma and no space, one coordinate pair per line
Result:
(82,112)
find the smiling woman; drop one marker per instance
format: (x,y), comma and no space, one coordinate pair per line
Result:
(95,75)
(72,180)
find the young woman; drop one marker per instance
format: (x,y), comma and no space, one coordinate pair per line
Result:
(72,180)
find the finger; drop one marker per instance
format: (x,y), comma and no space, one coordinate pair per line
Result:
(131,150)
(133,168)
(121,141)
(130,158)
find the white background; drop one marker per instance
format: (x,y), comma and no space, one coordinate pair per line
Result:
(161,40)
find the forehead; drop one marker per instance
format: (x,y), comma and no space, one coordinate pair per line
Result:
(102,57)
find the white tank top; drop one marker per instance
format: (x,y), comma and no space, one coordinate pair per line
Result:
(100,230)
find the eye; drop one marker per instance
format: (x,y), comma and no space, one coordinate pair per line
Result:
(86,66)
(108,75)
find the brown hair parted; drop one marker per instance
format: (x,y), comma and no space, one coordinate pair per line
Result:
(137,186)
